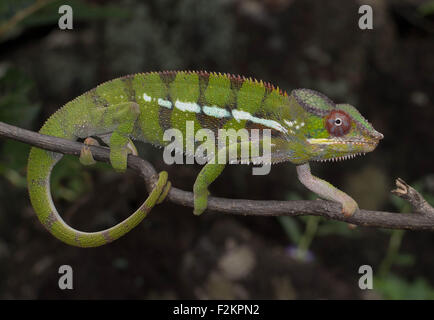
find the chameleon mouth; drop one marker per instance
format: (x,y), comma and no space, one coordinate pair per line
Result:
(338,141)
(361,147)
(346,157)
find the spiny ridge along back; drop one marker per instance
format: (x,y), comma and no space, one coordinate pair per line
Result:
(232,77)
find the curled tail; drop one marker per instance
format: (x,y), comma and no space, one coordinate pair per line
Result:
(40,165)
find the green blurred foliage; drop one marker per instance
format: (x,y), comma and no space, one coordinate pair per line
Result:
(369,187)
(390,285)
(394,287)
(16,107)
(46,12)
(82,11)
(313,227)
(427,8)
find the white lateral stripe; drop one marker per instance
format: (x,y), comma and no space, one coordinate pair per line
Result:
(243,115)
(216,112)
(187,106)
(146,97)
(165,103)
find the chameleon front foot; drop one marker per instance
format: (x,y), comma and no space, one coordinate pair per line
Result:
(86,157)
(326,190)
(349,207)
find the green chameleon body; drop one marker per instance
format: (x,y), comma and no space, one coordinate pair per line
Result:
(305,126)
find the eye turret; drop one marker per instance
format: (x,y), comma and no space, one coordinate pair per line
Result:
(338,123)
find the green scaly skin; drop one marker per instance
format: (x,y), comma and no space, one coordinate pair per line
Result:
(304,127)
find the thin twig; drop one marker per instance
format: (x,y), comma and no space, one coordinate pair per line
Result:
(421,219)
(21,15)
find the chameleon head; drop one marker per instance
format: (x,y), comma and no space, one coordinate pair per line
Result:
(331,131)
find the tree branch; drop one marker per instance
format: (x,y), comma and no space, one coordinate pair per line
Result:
(421,219)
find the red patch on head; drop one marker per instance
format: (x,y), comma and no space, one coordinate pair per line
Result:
(338,123)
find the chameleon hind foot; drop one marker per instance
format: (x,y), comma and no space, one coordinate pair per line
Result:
(207,175)
(119,154)
(210,172)
(86,157)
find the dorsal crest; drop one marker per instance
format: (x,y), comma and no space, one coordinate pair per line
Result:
(236,80)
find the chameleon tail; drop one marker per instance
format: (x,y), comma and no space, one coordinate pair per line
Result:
(40,164)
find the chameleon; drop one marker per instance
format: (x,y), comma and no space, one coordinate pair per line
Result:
(305,126)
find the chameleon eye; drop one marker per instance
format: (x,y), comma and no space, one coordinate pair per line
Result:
(338,123)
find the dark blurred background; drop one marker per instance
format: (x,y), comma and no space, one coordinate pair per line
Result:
(387,73)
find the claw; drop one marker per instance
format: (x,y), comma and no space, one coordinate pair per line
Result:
(132,148)
(86,157)
(349,208)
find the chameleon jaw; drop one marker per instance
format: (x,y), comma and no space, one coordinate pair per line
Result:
(362,146)
(346,157)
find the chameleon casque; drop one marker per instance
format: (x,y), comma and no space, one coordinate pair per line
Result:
(305,126)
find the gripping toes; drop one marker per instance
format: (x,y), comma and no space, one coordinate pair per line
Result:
(349,207)
(326,190)
(86,157)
